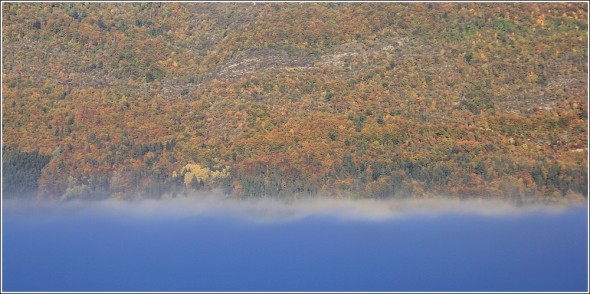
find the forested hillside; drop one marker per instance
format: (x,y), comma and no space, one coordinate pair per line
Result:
(361,100)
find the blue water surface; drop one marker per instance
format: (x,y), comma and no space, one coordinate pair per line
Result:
(104,251)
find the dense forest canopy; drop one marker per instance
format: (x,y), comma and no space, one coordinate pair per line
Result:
(361,100)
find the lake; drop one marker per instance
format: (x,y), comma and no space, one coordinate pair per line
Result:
(183,245)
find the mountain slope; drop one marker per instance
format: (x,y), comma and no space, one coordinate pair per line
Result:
(275,100)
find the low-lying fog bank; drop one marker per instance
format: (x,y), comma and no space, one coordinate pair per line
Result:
(282,210)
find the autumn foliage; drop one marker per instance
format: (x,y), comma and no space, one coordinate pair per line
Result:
(356,100)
